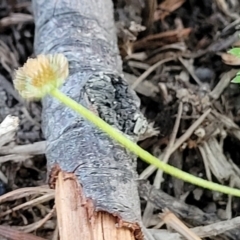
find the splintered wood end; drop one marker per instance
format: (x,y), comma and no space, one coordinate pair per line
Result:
(77,218)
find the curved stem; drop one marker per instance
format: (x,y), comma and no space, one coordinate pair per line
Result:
(133,147)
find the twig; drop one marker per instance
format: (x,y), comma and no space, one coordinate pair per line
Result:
(56,233)
(229,203)
(168,152)
(147,88)
(217,228)
(175,223)
(151,69)
(36,148)
(34,226)
(14,158)
(205,162)
(157,181)
(161,200)
(230,25)
(3,177)
(190,71)
(149,170)
(24,192)
(190,130)
(13,234)
(231,127)
(205,231)
(10,89)
(44,198)
(8,129)
(190,214)
(223,83)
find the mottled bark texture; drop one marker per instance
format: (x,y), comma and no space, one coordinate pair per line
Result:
(84,31)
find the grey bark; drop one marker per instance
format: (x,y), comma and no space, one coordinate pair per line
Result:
(83,30)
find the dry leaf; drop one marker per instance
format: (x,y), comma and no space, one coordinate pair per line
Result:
(230,59)
(166,7)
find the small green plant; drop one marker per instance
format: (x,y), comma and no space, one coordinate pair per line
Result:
(43,75)
(236,53)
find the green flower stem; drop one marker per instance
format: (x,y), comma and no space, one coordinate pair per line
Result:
(133,147)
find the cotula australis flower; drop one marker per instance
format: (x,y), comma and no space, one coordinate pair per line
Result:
(39,76)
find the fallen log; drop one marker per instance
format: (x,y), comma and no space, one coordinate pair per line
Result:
(101,171)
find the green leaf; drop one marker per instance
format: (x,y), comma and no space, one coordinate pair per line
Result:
(235,52)
(236,79)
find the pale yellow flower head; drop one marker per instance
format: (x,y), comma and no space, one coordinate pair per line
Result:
(39,76)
